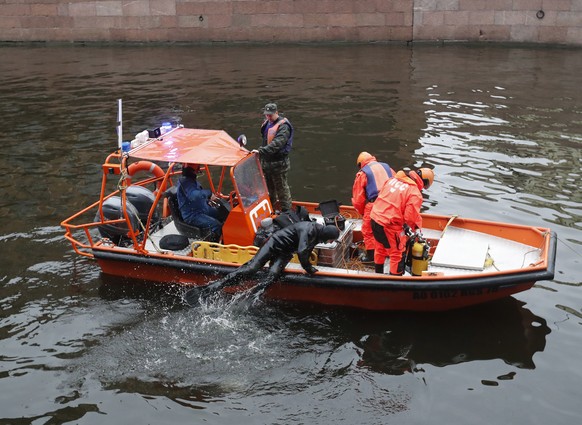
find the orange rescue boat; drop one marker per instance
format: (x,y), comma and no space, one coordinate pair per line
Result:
(466,261)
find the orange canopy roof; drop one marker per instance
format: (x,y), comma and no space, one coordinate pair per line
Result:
(209,147)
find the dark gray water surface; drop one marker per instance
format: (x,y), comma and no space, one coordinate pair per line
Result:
(502,126)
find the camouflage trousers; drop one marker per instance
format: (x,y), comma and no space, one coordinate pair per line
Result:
(276,177)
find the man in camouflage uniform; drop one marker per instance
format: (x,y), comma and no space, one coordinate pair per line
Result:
(277,134)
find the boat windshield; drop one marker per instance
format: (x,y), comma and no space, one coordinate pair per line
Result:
(249,181)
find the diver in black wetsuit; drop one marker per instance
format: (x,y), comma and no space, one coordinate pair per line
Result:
(298,238)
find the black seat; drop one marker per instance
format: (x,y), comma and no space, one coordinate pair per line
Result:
(202,233)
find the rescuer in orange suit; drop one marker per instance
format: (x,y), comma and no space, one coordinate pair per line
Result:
(397,207)
(369,180)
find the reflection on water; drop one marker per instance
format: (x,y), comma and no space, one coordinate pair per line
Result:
(501,126)
(515,137)
(505,330)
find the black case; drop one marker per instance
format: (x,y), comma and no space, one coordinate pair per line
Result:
(331,215)
(155,133)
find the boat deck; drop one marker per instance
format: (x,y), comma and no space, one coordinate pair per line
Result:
(153,242)
(458,252)
(462,252)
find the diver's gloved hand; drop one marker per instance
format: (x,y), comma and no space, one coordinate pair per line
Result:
(311,271)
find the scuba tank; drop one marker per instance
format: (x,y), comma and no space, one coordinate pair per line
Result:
(419,248)
(264,232)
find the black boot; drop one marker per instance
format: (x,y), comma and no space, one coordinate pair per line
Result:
(379,268)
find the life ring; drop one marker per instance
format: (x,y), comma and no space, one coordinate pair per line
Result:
(149,168)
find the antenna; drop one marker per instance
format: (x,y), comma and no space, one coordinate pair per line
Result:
(119,123)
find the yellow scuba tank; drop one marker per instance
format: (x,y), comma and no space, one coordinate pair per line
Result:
(419,253)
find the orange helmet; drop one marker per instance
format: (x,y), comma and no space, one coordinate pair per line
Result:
(362,157)
(427,176)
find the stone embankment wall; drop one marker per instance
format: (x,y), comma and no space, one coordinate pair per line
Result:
(533,21)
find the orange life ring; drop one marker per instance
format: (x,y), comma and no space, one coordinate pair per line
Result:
(147,167)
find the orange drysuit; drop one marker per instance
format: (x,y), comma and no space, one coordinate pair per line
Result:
(398,203)
(369,180)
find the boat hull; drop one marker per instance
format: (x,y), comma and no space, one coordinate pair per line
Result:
(382,293)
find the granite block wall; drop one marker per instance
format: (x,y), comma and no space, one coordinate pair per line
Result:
(531,21)
(535,21)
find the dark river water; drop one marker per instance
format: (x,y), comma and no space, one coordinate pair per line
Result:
(502,127)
